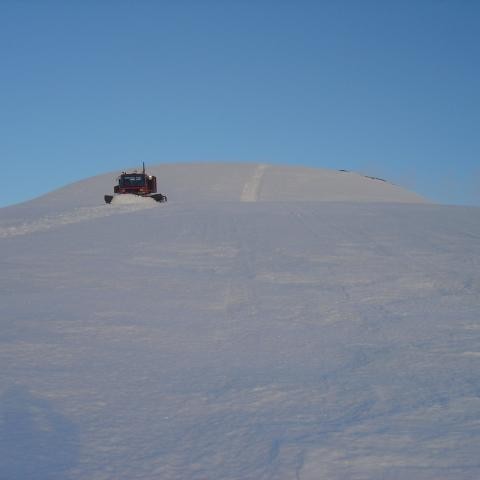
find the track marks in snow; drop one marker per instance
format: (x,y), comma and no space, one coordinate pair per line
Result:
(251,189)
(75,216)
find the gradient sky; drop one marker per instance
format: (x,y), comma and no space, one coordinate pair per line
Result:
(386,88)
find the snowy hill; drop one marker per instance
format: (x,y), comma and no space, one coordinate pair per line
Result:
(266,323)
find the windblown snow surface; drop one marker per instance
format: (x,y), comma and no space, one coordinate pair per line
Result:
(266,323)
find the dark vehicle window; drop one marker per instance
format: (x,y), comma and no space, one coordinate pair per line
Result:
(132,180)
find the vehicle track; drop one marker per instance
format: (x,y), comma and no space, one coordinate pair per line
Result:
(77,215)
(251,189)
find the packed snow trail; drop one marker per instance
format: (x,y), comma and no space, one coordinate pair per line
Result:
(251,189)
(119,205)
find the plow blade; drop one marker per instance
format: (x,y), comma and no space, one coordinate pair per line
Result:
(159,197)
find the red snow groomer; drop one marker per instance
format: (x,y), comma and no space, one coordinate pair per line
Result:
(135,183)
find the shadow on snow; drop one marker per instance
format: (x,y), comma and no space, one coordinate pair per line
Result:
(36,442)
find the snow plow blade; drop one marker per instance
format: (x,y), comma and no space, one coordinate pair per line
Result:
(159,197)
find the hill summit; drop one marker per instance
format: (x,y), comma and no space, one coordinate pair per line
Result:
(246,182)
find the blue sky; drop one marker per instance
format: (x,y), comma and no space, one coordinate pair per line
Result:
(386,88)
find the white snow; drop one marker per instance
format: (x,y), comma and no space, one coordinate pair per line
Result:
(133,199)
(232,334)
(251,189)
(123,204)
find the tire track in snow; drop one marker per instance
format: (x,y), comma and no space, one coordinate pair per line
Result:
(251,188)
(75,216)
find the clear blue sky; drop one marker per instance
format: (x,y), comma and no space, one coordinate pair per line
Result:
(390,88)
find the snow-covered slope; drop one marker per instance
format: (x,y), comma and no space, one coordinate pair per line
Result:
(242,181)
(247,329)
